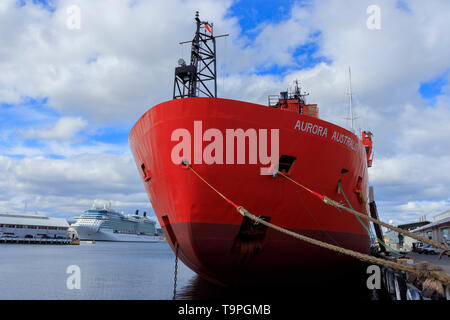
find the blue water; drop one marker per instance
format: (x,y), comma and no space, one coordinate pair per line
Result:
(108,270)
(129,271)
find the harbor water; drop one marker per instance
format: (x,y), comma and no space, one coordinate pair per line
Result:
(125,271)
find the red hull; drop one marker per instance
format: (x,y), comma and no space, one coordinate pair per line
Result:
(207,229)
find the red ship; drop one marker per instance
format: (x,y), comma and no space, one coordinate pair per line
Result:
(212,238)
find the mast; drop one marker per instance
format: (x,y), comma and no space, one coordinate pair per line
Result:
(350,93)
(199,78)
(298,95)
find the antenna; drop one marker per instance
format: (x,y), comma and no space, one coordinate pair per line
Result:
(195,79)
(297,93)
(350,93)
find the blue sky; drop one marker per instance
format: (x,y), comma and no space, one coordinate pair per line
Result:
(252,14)
(431,89)
(73,112)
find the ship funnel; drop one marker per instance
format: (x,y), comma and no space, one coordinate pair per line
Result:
(145,213)
(137,212)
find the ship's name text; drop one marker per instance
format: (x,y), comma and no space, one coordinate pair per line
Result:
(308,127)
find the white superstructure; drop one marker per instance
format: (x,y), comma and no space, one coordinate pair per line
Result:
(105,224)
(32,226)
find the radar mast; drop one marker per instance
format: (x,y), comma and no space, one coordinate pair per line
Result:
(199,78)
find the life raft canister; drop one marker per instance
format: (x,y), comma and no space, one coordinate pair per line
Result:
(367,142)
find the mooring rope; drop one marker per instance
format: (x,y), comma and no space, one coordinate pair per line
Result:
(418,271)
(336,204)
(185,163)
(443,277)
(315,220)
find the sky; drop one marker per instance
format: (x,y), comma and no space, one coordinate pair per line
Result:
(70,90)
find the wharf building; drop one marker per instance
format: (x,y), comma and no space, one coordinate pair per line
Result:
(32,226)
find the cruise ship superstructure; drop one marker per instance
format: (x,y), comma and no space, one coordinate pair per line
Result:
(106,224)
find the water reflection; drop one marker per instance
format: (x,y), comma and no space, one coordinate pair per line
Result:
(200,289)
(141,271)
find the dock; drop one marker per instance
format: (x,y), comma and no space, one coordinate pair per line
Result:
(443,262)
(36,241)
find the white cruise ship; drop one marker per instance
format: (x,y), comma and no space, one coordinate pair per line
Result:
(105,224)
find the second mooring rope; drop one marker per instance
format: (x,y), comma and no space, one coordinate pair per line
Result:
(419,272)
(336,204)
(381,242)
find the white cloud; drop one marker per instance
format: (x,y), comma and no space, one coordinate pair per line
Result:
(113,68)
(66,187)
(65,129)
(412,206)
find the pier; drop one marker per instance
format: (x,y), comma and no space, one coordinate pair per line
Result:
(35,241)
(434,259)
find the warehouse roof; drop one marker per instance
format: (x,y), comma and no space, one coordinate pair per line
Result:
(430,225)
(32,220)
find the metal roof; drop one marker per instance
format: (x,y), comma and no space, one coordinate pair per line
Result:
(430,225)
(445,213)
(32,220)
(413,225)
